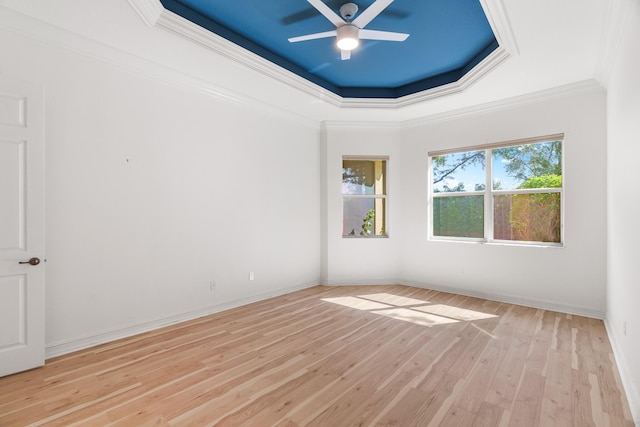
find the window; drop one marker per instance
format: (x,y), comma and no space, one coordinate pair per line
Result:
(364,197)
(510,192)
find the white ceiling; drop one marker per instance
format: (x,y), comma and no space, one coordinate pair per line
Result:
(557,43)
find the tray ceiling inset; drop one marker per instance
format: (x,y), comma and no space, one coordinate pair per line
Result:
(447,40)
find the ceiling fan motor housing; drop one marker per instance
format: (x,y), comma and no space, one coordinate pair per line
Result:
(348,37)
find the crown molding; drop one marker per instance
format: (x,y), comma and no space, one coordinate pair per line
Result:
(499,22)
(169,21)
(48,34)
(149,11)
(494,59)
(155,15)
(572,89)
(360,125)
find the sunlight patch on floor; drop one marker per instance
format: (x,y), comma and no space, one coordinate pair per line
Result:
(413,316)
(395,300)
(357,303)
(412,310)
(455,312)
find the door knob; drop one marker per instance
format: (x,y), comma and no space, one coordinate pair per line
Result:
(32,261)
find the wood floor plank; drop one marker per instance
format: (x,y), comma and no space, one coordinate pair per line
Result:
(488,416)
(504,385)
(581,398)
(419,406)
(556,401)
(473,396)
(337,356)
(527,404)
(456,417)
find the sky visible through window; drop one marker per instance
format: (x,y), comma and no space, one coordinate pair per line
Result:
(474,174)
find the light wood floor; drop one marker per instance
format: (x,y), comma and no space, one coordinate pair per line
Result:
(337,356)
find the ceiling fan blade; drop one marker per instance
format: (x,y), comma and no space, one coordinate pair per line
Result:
(370,13)
(383,35)
(327,12)
(313,36)
(345,54)
(312,12)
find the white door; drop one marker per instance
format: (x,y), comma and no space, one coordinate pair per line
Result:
(21,226)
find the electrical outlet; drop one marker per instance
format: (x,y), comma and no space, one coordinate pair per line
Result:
(212,286)
(251,276)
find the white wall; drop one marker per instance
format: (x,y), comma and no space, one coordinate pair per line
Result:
(570,279)
(623,206)
(154,191)
(354,260)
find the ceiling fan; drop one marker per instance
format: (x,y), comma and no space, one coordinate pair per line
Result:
(348,33)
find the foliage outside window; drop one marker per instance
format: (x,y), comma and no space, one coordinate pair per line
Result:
(499,193)
(364,195)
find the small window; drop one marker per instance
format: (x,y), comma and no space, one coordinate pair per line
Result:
(508,192)
(364,197)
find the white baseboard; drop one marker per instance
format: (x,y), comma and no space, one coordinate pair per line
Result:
(361,282)
(633,395)
(69,346)
(527,302)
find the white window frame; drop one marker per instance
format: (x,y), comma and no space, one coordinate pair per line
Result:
(489,192)
(384,196)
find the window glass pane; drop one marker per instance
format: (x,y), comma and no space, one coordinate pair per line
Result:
(458,216)
(458,172)
(363,217)
(527,217)
(363,177)
(527,166)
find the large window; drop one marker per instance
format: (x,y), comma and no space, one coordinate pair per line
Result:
(509,192)
(364,196)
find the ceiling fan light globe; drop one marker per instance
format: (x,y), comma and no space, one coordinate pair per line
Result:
(348,37)
(348,43)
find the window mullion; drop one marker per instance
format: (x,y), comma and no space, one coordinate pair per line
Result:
(459,194)
(488,197)
(530,191)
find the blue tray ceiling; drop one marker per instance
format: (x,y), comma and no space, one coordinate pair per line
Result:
(447,39)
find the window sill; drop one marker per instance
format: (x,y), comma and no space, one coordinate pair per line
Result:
(501,243)
(365,237)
